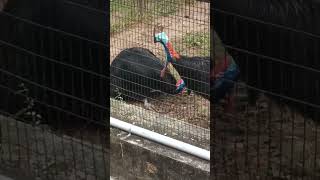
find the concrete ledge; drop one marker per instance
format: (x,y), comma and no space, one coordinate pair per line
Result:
(161,123)
(136,158)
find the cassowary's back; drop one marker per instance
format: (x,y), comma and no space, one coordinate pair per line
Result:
(136,72)
(196,72)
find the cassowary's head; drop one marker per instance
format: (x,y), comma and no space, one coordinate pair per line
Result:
(157,29)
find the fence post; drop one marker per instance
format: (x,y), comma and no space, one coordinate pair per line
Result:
(0,136)
(189,5)
(141,8)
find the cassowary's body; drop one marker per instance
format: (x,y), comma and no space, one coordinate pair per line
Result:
(136,73)
(299,52)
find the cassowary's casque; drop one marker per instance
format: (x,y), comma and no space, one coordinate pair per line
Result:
(135,72)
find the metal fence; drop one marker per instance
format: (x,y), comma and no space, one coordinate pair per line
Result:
(136,65)
(53,84)
(273,134)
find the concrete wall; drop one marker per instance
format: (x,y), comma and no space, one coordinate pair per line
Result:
(137,158)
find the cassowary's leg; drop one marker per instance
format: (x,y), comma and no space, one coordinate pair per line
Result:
(180,84)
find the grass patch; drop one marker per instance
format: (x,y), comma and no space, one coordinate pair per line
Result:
(198,42)
(122,14)
(164,8)
(125,13)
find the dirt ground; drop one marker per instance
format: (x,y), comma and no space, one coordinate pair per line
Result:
(193,18)
(189,19)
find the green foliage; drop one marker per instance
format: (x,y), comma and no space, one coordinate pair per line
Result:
(125,13)
(122,14)
(199,41)
(166,8)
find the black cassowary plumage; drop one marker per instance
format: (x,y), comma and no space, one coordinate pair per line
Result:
(136,73)
(196,72)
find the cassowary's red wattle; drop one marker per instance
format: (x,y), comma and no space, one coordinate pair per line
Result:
(173,53)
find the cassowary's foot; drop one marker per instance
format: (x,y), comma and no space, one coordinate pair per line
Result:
(181,88)
(186,92)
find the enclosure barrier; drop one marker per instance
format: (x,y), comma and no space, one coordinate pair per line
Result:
(161,139)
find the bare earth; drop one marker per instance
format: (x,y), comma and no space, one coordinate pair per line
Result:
(177,25)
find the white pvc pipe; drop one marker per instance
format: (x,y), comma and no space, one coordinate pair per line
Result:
(173,143)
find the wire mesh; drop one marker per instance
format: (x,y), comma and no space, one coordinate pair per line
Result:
(273,132)
(53,122)
(138,94)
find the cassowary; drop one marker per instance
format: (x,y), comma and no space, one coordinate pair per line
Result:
(281,61)
(224,74)
(135,74)
(223,77)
